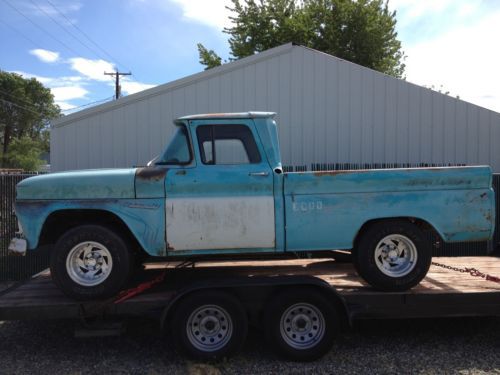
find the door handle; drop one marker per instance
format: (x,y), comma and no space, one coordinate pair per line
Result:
(262,174)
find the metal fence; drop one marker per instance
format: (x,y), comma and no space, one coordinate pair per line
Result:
(15,267)
(19,268)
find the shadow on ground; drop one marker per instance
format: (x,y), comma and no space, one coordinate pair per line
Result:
(431,346)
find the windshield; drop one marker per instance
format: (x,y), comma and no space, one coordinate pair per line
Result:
(178,151)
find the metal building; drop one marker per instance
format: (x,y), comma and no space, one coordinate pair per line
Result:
(329,111)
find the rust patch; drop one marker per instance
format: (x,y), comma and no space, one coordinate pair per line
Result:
(170,247)
(151,173)
(332,173)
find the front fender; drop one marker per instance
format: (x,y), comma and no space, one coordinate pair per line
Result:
(144,217)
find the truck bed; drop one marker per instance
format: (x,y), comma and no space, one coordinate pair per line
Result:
(442,293)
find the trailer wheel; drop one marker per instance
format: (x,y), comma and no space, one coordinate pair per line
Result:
(209,325)
(90,262)
(301,325)
(393,256)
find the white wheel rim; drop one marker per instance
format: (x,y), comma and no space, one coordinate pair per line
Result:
(396,255)
(209,328)
(302,326)
(89,263)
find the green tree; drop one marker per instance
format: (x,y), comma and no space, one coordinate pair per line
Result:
(24,153)
(361,31)
(26,107)
(208,57)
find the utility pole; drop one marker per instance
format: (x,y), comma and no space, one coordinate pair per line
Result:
(117,75)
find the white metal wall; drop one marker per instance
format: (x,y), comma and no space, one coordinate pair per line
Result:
(329,111)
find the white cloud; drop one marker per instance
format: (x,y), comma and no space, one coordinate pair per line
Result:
(52,81)
(463,60)
(92,69)
(45,55)
(131,87)
(64,93)
(65,106)
(47,10)
(212,13)
(411,9)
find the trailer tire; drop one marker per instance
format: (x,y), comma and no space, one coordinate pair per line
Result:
(209,325)
(90,250)
(301,324)
(393,256)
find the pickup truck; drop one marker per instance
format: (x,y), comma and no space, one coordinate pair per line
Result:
(219,189)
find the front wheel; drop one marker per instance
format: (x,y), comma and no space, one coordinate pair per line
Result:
(393,256)
(90,262)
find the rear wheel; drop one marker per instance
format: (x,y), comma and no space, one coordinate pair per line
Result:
(209,325)
(90,261)
(393,256)
(301,325)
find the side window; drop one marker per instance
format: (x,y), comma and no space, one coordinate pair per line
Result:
(227,144)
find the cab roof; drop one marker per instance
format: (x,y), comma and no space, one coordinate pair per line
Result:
(238,115)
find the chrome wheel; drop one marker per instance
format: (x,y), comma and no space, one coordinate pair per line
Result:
(209,328)
(302,326)
(396,255)
(89,263)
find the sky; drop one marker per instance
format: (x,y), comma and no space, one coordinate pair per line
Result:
(450,45)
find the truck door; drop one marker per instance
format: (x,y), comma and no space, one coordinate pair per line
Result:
(226,202)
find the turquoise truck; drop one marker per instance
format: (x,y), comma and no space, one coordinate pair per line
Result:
(219,189)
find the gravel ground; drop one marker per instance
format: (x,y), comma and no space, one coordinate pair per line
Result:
(465,346)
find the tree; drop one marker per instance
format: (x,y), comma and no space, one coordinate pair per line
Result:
(208,57)
(24,153)
(361,31)
(26,107)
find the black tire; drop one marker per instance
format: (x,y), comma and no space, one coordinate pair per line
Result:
(367,260)
(279,331)
(118,250)
(225,336)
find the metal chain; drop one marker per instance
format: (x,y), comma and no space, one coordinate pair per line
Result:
(472,271)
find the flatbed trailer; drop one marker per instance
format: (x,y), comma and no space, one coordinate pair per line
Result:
(256,284)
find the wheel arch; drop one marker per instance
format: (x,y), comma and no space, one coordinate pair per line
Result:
(424,225)
(60,221)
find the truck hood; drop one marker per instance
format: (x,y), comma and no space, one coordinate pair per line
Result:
(87,184)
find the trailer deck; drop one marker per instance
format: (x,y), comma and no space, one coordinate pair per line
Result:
(442,293)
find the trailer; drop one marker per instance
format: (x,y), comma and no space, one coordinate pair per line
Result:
(301,304)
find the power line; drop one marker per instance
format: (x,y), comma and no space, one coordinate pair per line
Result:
(20,106)
(20,33)
(16,98)
(87,36)
(41,28)
(86,105)
(31,104)
(65,29)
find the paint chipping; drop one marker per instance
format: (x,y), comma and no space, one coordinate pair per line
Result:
(331,173)
(151,173)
